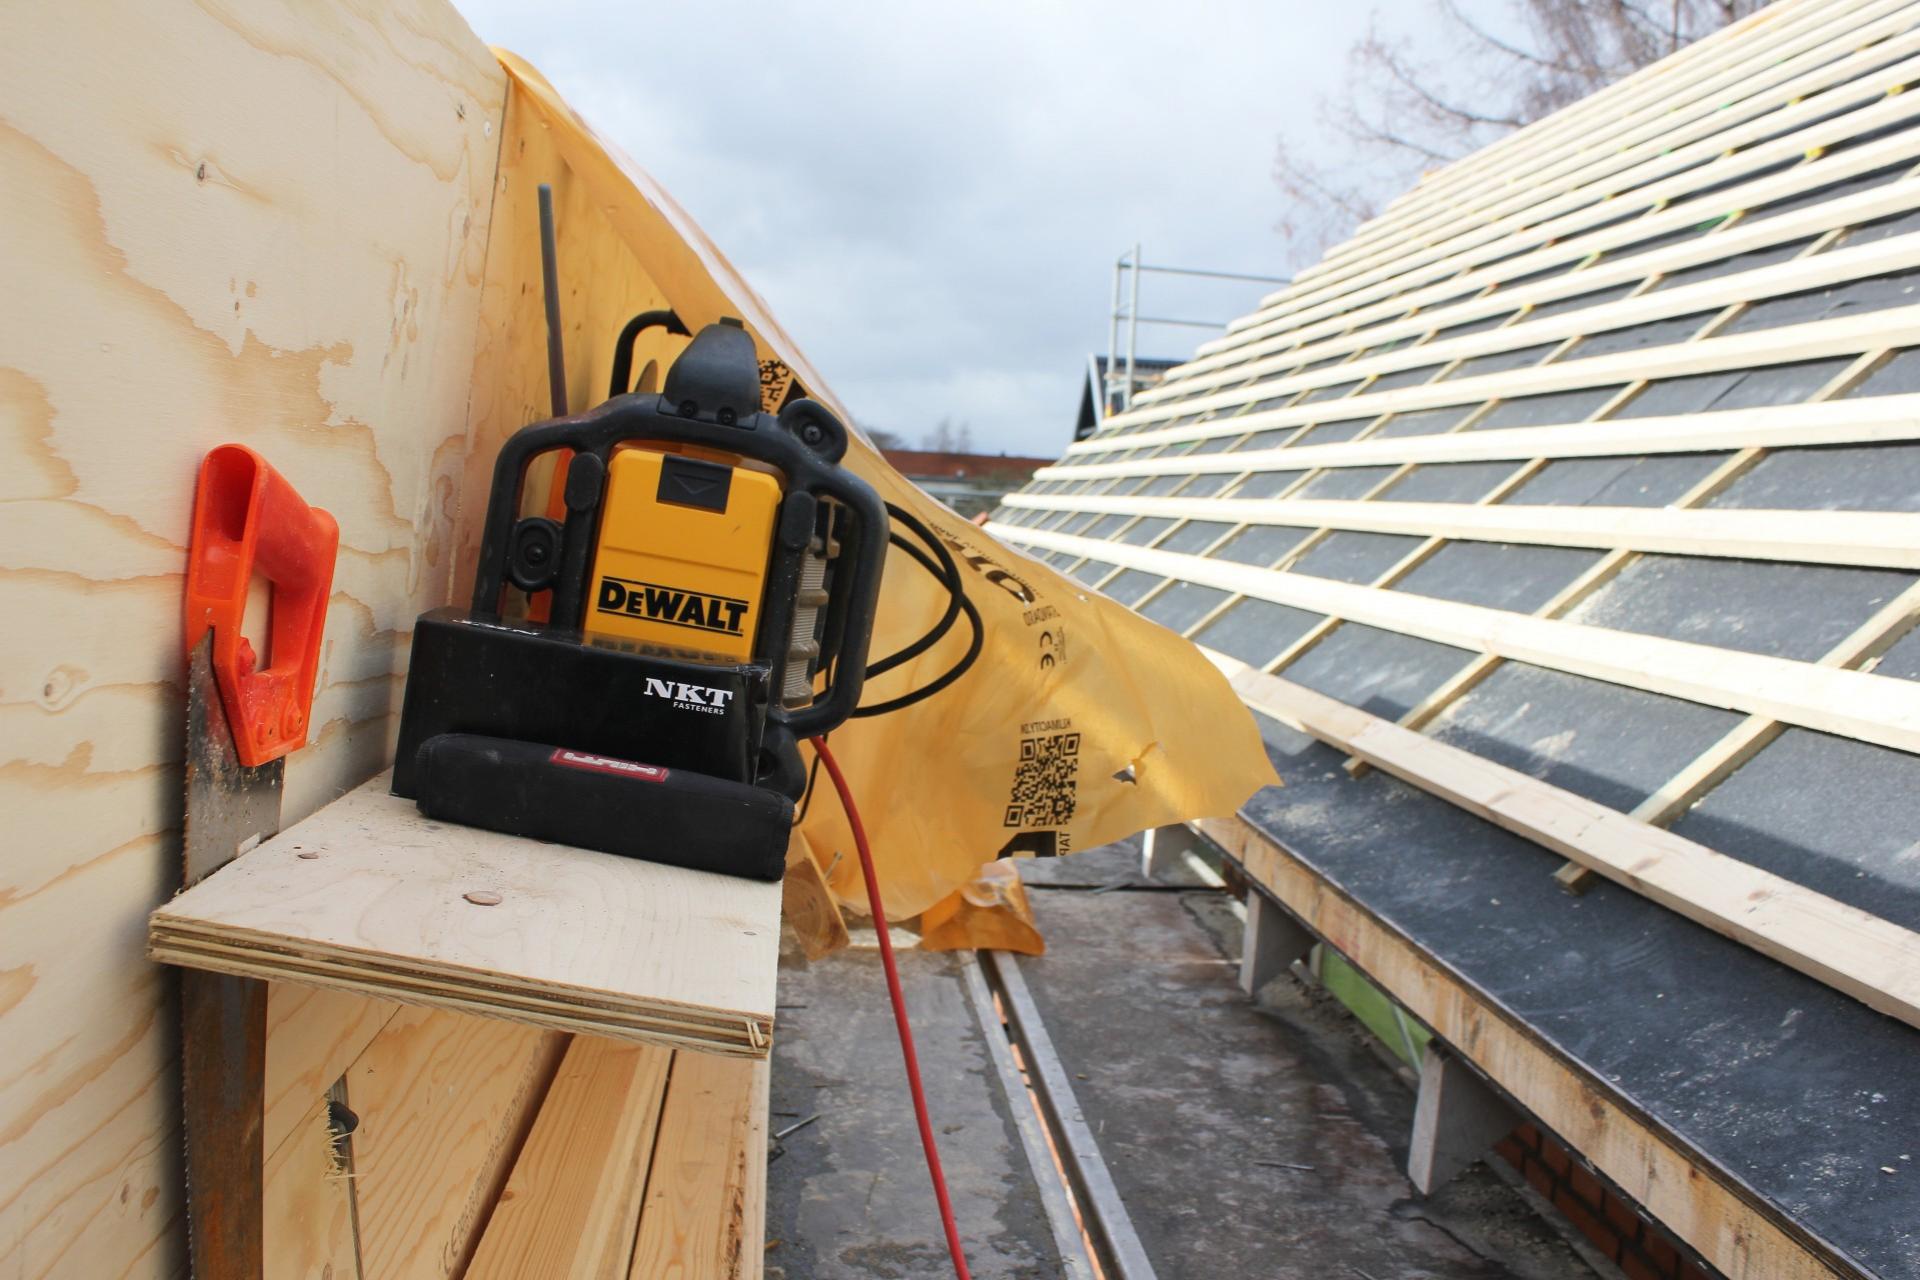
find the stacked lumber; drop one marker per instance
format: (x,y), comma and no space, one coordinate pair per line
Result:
(421,1143)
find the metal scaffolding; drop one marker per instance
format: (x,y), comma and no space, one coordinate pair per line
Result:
(1127,270)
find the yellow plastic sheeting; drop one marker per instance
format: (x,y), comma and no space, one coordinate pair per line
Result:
(991,910)
(1080,723)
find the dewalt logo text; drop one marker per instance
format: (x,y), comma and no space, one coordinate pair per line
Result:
(694,610)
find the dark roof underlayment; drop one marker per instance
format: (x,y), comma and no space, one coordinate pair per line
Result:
(1596,456)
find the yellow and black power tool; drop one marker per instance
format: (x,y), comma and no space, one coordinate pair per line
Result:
(638,665)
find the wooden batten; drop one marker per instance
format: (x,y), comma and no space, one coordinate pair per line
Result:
(1853,704)
(572,1204)
(1876,420)
(1870,959)
(1882,539)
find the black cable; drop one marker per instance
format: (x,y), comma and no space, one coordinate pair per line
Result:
(952,673)
(806,797)
(947,573)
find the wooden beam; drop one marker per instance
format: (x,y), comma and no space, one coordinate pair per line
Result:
(705,1209)
(444,1103)
(1853,704)
(1870,959)
(572,1204)
(307,1204)
(313,1036)
(370,898)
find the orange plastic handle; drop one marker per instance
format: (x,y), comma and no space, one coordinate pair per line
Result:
(247,519)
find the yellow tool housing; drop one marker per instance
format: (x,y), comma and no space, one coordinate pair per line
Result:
(682,560)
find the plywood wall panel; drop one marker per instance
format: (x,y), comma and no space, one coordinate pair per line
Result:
(603,284)
(263,223)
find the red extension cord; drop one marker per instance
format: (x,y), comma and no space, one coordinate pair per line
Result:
(899,1010)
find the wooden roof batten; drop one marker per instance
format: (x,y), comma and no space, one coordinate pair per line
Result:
(1732,109)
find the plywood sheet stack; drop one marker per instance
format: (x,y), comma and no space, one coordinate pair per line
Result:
(370,898)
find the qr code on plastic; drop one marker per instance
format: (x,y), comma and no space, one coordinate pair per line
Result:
(1045,782)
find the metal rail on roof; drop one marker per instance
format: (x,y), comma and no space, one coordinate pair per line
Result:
(1129,310)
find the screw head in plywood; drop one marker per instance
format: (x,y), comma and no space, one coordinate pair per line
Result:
(482,898)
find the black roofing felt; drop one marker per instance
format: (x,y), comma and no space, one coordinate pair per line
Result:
(1801,1096)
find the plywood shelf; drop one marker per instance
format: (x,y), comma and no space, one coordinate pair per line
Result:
(369,897)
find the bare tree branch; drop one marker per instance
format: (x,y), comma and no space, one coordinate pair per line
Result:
(1407,107)
(1407,80)
(1457,16)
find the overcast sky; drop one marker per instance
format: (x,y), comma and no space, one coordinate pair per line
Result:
(930,197)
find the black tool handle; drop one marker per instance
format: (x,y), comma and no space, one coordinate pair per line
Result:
(624,807)
(805,443)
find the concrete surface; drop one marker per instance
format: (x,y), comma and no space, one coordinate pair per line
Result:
(849,1196)
(1187,1084)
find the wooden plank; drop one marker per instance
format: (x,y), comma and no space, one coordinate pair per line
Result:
(1870,959)
(444,1103)
(1852,704)
(1701,1203)
(1874,420)
(283,247)
(807,903)
(367,895)
(313,1036)
(1883,539)
(705,1211)
(307,1205)
(572,1204)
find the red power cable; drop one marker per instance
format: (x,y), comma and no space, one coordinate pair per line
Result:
(899,1010)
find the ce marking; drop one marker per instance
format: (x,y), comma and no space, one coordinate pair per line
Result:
(1053,646)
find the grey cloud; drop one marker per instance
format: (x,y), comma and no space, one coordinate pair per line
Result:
(930,198)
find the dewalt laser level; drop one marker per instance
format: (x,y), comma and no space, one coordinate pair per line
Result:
(638,665)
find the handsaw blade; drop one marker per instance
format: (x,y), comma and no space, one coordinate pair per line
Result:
(230,807)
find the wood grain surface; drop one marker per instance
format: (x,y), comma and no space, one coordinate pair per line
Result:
(263,224)
(369,897)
